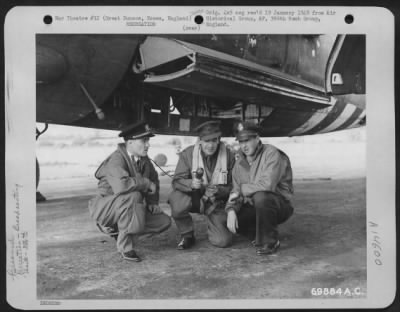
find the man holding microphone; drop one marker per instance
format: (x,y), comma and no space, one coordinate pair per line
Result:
(201,184)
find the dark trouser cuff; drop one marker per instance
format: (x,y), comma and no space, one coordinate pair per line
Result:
(188,234)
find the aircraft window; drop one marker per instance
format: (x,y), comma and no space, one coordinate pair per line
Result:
(170,67)
(304,56)
(230,44)
(350,66)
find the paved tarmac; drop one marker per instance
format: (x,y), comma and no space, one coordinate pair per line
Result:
(323,245)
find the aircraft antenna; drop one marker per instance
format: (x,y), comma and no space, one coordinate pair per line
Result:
(98,111)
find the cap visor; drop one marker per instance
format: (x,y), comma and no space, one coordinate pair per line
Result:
(210,136)
(142,135)
(245,136)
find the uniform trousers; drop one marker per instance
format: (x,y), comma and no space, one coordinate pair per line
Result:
(218,233)
(129,215)
(259,217)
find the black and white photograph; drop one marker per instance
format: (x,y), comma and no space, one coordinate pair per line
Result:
(231,166)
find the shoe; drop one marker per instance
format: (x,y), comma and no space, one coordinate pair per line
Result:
(268,249)
(107,230)
(131,256)
(253,243)
(186,243)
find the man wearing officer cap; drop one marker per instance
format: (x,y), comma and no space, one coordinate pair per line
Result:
(128,192)
(211,155)
(262,190)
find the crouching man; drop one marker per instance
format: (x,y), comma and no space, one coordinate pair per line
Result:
(262,190)
(128,192)
(213,187)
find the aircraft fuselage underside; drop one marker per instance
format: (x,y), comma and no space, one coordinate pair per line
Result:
(178,90)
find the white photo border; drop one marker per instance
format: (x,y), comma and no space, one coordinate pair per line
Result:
(21,26)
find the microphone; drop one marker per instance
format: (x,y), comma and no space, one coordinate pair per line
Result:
(199,173)
(196,194)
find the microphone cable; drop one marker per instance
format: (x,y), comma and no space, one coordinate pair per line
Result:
(166,173)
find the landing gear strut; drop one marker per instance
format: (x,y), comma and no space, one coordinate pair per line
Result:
(39,196)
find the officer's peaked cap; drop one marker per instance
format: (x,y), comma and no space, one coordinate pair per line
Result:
(209,130)
(136,131)
(246,130)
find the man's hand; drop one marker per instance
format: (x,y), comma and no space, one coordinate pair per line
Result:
(211,191)
(152,188)
(233,198)
(232,221)
(248,200)
(196,183)
(154,209)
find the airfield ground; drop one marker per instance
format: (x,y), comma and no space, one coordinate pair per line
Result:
(323,244)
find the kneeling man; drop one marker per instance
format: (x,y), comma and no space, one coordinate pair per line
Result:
(213,186)
(128,192)
(262,190)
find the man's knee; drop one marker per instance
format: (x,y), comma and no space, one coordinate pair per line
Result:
(175,198)
(137,197)
(265,200)
(132,212)
(221,241)
(165,221)
(179,202)
(130,198)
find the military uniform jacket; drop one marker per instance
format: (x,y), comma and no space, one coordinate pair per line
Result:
(269,170)
(183,173)
(118,174)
